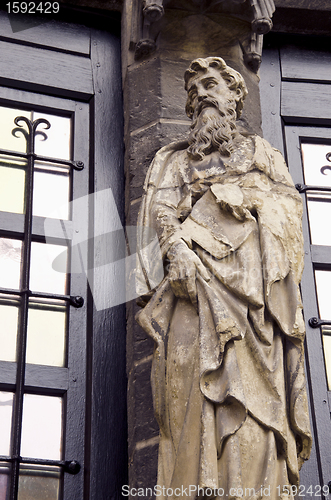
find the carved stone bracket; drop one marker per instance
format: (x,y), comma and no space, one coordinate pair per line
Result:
(252,51)
(262,12)
(261,24)
(152,11)
(259,13)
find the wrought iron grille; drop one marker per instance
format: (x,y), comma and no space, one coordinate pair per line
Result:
(303,188)
(15,459)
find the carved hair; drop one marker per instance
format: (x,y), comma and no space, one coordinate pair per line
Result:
(232,78)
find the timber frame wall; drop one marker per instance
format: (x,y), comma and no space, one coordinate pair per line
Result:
(154,101)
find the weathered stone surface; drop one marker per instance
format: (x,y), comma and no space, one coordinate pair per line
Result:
(132,210)
(142,147)
(185,32)
(172,88)
(143,347)
(142,469)
(251,115)
(142,423)
(139,344)
(143,88)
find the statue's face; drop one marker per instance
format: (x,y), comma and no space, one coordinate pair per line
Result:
(207,87)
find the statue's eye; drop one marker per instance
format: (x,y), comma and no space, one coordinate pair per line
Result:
(210,85)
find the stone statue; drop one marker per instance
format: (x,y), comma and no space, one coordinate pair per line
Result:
(228,371)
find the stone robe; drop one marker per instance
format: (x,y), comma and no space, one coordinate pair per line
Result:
(228,379)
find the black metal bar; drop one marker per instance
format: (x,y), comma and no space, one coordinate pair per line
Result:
(316,323)
(76,301)
(10,291)
(23,318)
(77,165)
(70,466)
(302,188)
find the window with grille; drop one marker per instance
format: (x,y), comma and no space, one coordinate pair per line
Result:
(62,361)
(296,114)
(41,308)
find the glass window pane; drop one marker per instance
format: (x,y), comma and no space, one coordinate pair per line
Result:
(323,287)
(8,330)
(4,480)
(51,191)
(46,335)
(6,407)
(10,262)
(42,427)
(43,277)
(319,210)
(57,144)
(39,483)
(314,159)
(317,172)
(12,183)
(11,136)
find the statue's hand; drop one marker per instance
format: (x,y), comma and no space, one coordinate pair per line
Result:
(183,269)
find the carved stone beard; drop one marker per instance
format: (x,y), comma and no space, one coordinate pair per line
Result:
(213,129)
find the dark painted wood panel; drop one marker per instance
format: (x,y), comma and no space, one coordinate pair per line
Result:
(270,99)
(306,100)
(303,64)
(14,223)
(11,222)
(108,466)
(73,487)
(8,375)
(39,102)
(45,70)
(50,378)
(53,34)
(56,229)
(321,254)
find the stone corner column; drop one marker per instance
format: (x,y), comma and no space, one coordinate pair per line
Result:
(154,107)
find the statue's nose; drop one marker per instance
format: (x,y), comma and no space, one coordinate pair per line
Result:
(201,97)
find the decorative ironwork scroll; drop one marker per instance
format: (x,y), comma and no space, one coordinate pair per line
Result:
(302,188)
(326,167)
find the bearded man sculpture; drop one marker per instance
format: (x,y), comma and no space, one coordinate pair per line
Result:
(228,371)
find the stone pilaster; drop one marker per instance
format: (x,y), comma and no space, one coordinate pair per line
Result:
(154,103)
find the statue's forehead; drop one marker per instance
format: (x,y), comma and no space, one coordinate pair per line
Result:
(201,75)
